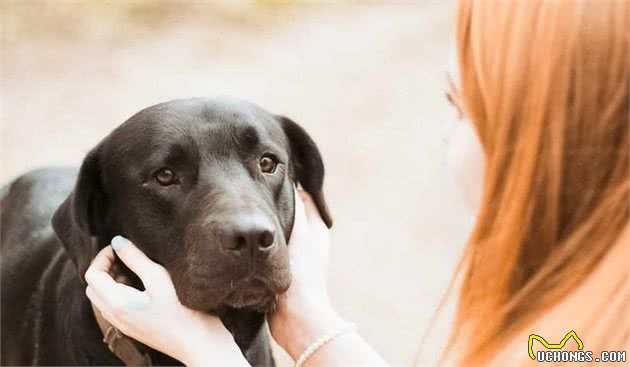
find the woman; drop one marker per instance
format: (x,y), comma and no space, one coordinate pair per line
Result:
(542,88)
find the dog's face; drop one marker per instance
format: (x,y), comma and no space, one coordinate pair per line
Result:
(205,188)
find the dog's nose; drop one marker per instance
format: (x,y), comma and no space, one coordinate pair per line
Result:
(249,233)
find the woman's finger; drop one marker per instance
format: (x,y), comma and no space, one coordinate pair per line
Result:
(114,296)
(103,285)
(312,213)
(151,273)
(100,280)
(309,206)
(300,222)
(104,259)
(300,211)
(106,310)
(95,298)
(99,303)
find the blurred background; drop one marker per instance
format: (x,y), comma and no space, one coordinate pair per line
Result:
(366,79)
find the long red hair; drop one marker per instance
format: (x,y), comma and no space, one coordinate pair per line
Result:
(546,86)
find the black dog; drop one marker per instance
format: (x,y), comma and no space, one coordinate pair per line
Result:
(203,187)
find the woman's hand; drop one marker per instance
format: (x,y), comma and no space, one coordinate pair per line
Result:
(155,316)
(304,312)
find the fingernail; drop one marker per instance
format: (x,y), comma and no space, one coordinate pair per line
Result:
(119,242)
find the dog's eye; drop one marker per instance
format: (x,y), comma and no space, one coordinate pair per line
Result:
(268,164)
(165,177)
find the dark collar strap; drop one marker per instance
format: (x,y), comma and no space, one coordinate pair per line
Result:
(124,347)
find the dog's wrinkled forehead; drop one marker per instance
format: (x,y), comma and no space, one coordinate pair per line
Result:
(196,126)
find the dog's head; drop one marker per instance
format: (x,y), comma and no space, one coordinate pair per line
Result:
(203,187)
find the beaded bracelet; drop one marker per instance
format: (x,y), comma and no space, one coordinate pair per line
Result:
(320,342)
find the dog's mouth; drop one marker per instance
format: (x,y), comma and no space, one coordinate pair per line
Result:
(251,293)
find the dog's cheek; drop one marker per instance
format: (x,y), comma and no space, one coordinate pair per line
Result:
(282,274)
(190,298)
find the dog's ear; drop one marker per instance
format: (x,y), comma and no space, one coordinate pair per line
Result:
(307,165)
(80,218)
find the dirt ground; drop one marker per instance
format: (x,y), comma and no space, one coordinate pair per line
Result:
(366,80)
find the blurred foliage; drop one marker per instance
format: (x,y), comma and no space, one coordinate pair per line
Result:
(116,20)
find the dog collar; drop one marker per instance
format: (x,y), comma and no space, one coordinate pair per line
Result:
(124,347)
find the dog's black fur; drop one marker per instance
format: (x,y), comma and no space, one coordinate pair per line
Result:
(209,221)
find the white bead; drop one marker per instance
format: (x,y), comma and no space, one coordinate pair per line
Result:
(320,342)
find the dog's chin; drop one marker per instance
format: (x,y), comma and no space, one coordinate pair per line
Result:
(253,293)
(263,305)
(257,299)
